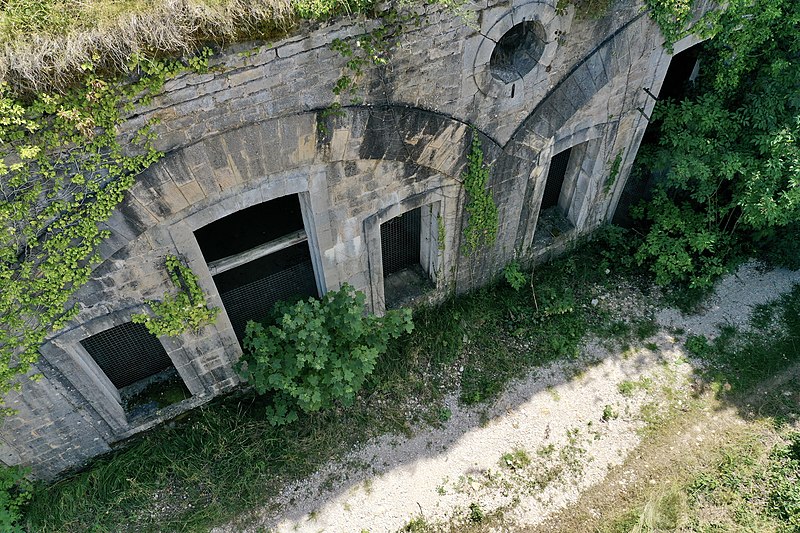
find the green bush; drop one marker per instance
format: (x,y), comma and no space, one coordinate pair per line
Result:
(15,491)
(514,276)
(727,155)
(317,352)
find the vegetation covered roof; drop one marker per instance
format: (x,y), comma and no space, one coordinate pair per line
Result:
(43,43)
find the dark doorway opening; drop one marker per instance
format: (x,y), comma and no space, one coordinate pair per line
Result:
(404,277)
(136,363)
(555,179)
(678,84)
(258,256)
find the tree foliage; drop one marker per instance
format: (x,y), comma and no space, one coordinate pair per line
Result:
(15,492)
(728,153)
(317,352)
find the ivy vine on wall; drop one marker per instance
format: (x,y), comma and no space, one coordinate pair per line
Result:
(481,229)
(63,171)
(182,312)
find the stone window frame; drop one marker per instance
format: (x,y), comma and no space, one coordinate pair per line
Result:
(583,177)
(308,184)
(66,354)
(497,24)
(432,252)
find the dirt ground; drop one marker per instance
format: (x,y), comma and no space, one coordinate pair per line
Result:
(560,450)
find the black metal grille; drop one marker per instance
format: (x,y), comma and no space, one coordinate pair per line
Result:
(555,178)
(400,241)
(250,291)
(127,353)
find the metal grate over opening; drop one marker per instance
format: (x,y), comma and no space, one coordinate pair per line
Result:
(400,242)
(250,291)
(127,353)
(555,178)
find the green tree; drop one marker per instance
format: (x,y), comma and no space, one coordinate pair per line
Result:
(728,154)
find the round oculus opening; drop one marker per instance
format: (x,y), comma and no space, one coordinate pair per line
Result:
(518,51)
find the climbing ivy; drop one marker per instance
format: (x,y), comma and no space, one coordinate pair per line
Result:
(374,47)
(63,170)
(185,311)
(481,229)
(613,172)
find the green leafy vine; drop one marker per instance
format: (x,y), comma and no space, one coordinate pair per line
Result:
(613,172)
(182,312)
(64,168)
(481,229)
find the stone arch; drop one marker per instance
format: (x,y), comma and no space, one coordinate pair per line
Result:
(563,116)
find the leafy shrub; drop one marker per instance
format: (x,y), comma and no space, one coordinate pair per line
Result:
(698,346)
(616,246)
(15,491)
(317,352)
(556,301)
(729,150)
(514,276)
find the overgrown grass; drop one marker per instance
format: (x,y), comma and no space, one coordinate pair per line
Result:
(43,43)
(754,482)
(225,459)
(744,359)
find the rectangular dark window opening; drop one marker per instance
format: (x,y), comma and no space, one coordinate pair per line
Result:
(136,363)
(250,227)
(250,291)
(555,179)
(400,240)
(404,278)
(258,256)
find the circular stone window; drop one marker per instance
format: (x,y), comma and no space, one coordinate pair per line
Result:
(518,51)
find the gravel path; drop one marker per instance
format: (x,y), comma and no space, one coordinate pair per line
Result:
(547,439)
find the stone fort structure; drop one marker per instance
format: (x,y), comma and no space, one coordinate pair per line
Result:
(266,194)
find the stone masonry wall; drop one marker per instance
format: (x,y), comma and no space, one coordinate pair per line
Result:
(256,128)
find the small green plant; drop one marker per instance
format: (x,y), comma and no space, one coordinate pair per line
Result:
(481,229)
(698,345)
(627,388)
(182,312)
(476,514)
(514,276)
(546,451)
(515,459)
(609,413)
(317,352)
(444,414)
(417,524)
(613,172)
(15,491)
(556,301)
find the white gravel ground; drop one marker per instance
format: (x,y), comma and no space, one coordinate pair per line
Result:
(555,416)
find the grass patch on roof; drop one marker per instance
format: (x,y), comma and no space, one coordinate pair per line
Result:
(43,43)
